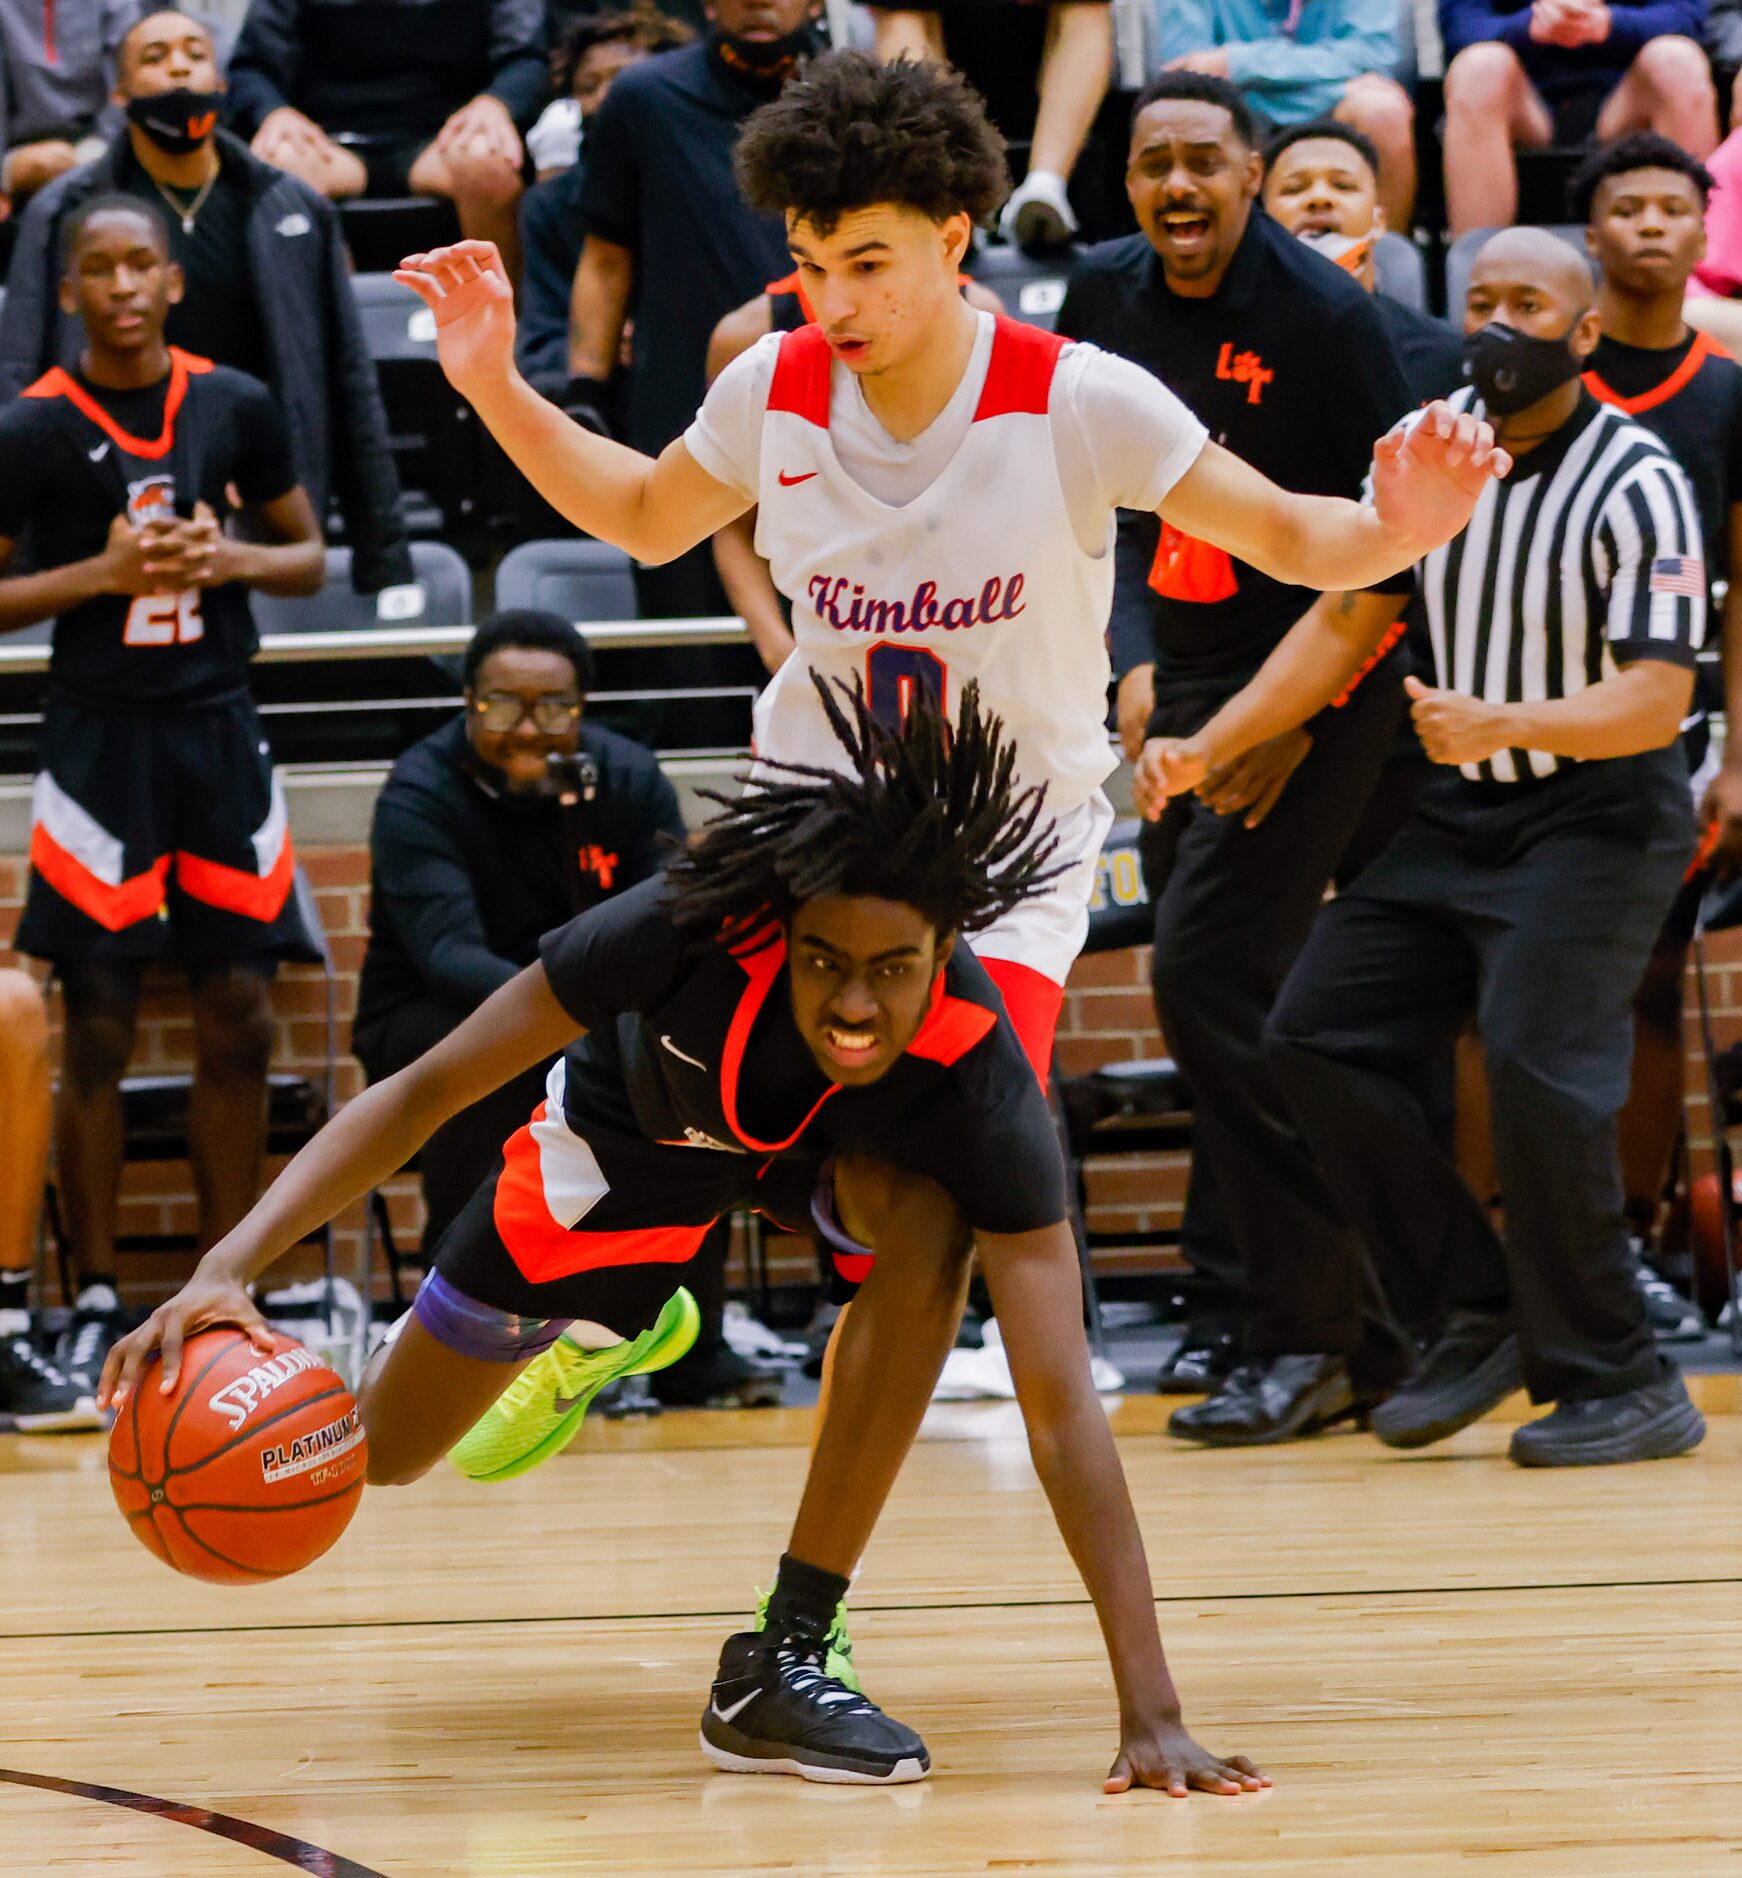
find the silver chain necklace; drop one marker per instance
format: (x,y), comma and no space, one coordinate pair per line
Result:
(186,211)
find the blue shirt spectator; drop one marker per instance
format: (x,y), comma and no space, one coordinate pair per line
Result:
(1300,59)
(1530,74)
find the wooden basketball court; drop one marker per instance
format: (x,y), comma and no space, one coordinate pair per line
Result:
(1447,1663)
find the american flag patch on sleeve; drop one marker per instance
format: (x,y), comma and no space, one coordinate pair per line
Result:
(1683,574)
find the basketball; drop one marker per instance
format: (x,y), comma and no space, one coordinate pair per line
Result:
(249,1470)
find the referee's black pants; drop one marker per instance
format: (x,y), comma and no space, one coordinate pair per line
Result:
(1233,907)
(1533,907)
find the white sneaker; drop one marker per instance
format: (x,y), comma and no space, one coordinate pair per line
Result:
(1039,213)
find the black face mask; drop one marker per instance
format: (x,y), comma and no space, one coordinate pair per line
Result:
(1511,370)
(178,121)
(765,61)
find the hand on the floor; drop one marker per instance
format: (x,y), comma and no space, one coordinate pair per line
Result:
(201,1303)
(1169,1759)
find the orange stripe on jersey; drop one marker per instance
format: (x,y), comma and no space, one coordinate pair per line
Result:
(1033,1002)
(59,383)
(1703,348)
(543,1248)
(112,907)
(233,890)
(1019,373)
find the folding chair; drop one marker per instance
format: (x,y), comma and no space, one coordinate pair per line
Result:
(1720,911)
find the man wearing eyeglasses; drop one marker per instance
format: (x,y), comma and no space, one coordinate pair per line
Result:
(500,826)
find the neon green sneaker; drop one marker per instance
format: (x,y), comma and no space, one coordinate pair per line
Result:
(838,1651)
(540,1412)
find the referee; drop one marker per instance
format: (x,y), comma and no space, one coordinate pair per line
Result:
(1286,358)
(1525,891)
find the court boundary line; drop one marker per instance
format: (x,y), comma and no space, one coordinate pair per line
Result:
(283,1846)
(1081,1602)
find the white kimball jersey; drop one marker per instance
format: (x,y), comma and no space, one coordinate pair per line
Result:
(982,549)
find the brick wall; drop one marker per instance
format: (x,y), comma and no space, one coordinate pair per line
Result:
(1107,1017)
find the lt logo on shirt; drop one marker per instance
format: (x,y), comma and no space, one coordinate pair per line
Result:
(1244,368)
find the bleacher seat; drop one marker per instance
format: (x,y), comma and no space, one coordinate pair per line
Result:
(381,232)
(441,595)
(436,440)
(579,579)
(1032,286)
(1401,272)
(1461,257)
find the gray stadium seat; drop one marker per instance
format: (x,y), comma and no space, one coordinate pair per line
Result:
(1032,286)
(1401,274)
(581,580)
(397,326)
(440,596)
(1461,257)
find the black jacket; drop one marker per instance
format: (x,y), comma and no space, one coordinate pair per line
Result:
(320,369)
(464,883)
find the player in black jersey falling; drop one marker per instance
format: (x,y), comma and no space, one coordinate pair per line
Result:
(158,831)
(789,1001)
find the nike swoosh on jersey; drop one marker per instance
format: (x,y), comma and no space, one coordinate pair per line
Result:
(789,482)
(743,1702)
(98,454)
(683,1056)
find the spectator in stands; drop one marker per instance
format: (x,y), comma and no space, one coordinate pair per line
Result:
(268,288)
(1642,201)
(383,100)
(671,245)
(159,828)
(1289,363)
(593,50)
(1333,58)
(1321,182)
(57,73)
(1524,74)
(1044,69)
(488,834)
(35,1396)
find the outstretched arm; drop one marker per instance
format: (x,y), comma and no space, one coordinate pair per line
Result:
(652,510)
(1037,1294)
(367,1142)
(1426,481)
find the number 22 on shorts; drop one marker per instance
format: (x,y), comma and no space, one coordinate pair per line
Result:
(164,619)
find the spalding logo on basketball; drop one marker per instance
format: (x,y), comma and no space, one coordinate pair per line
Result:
(249,1469)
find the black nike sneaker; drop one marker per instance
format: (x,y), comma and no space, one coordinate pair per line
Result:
(774,1710)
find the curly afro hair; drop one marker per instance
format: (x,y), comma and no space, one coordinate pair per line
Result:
(850,132)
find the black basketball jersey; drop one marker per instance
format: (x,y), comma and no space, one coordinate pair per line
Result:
(692,1044)
(1691,396)
(74,455)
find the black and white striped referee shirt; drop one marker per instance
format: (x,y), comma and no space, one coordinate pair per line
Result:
(1586,557)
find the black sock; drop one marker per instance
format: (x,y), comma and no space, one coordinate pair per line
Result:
(802,1605)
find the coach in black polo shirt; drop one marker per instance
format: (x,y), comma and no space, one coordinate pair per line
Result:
(490,833)
(1285,358)
(1524,892)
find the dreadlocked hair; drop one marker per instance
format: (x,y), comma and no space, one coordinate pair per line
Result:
(927,814)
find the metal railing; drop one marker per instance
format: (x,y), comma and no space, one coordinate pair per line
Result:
(407,642)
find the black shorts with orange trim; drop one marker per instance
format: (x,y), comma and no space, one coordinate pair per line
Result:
(158,836)
(605,1227)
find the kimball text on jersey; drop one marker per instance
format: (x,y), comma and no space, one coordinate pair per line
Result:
(842,604)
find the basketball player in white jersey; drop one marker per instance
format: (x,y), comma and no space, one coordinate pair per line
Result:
(936,486)
(936,493)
